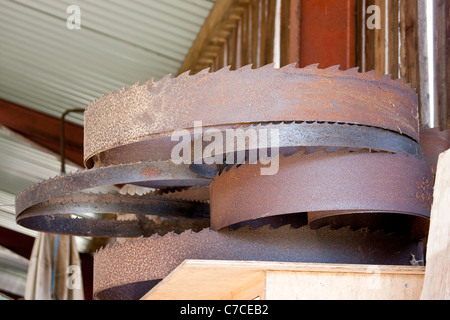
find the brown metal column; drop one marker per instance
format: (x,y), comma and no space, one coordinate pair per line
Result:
(327,33)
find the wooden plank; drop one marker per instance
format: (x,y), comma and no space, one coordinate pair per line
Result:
(440,61)
(232,49)
(199,280)
(409,69)
(245,38)
(254,8)
(380,40)
(270,31)
(294,32)
(369,45)
(214,279)
(393,38)
(220,58)
(320,285)
(447,20)
(238,46)
(285,32)
(360,31)
(262,31)
(437,273)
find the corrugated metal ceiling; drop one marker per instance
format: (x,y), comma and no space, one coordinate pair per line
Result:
(49,68)
(46,67)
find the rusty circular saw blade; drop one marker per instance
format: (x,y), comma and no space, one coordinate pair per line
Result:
(292,136)
(187,193)
(47,206)
(332,184)
(225,99)
(65,215)
(154,174)
(129,270)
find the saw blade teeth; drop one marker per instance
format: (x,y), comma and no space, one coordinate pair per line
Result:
(184,75)
(369,75)
(311,66)
(352,71)
(269,66)
(267,228)
(149,82)
(135,85)
(204,71)
(245,68)
(290,66)
(334,68)
(224,69)
(164,80)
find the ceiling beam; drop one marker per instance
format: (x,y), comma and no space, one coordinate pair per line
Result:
(19,243)
(43,130)
(220,14)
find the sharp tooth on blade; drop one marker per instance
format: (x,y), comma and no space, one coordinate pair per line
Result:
(352,71)
(311,66)
(164,80)
(290,66)
(134,85)
(150,81)
(334,68)
(204,71)
(246,67)
(224,69)
(372,74)
(184,74)
(268,66)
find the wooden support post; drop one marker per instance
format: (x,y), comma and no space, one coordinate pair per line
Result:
(409,43)
(441,29)
(393,39)
(380,40)
(437,272)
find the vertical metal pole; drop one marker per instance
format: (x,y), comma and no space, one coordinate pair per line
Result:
(62,139)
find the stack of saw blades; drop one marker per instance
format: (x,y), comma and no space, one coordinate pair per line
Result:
(349,156)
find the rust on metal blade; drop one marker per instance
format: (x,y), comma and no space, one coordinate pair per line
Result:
(290,135)
(228,98)
(155,174)
(128,270)
(324,182)
(47,206)
(64,215)
(187,193)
